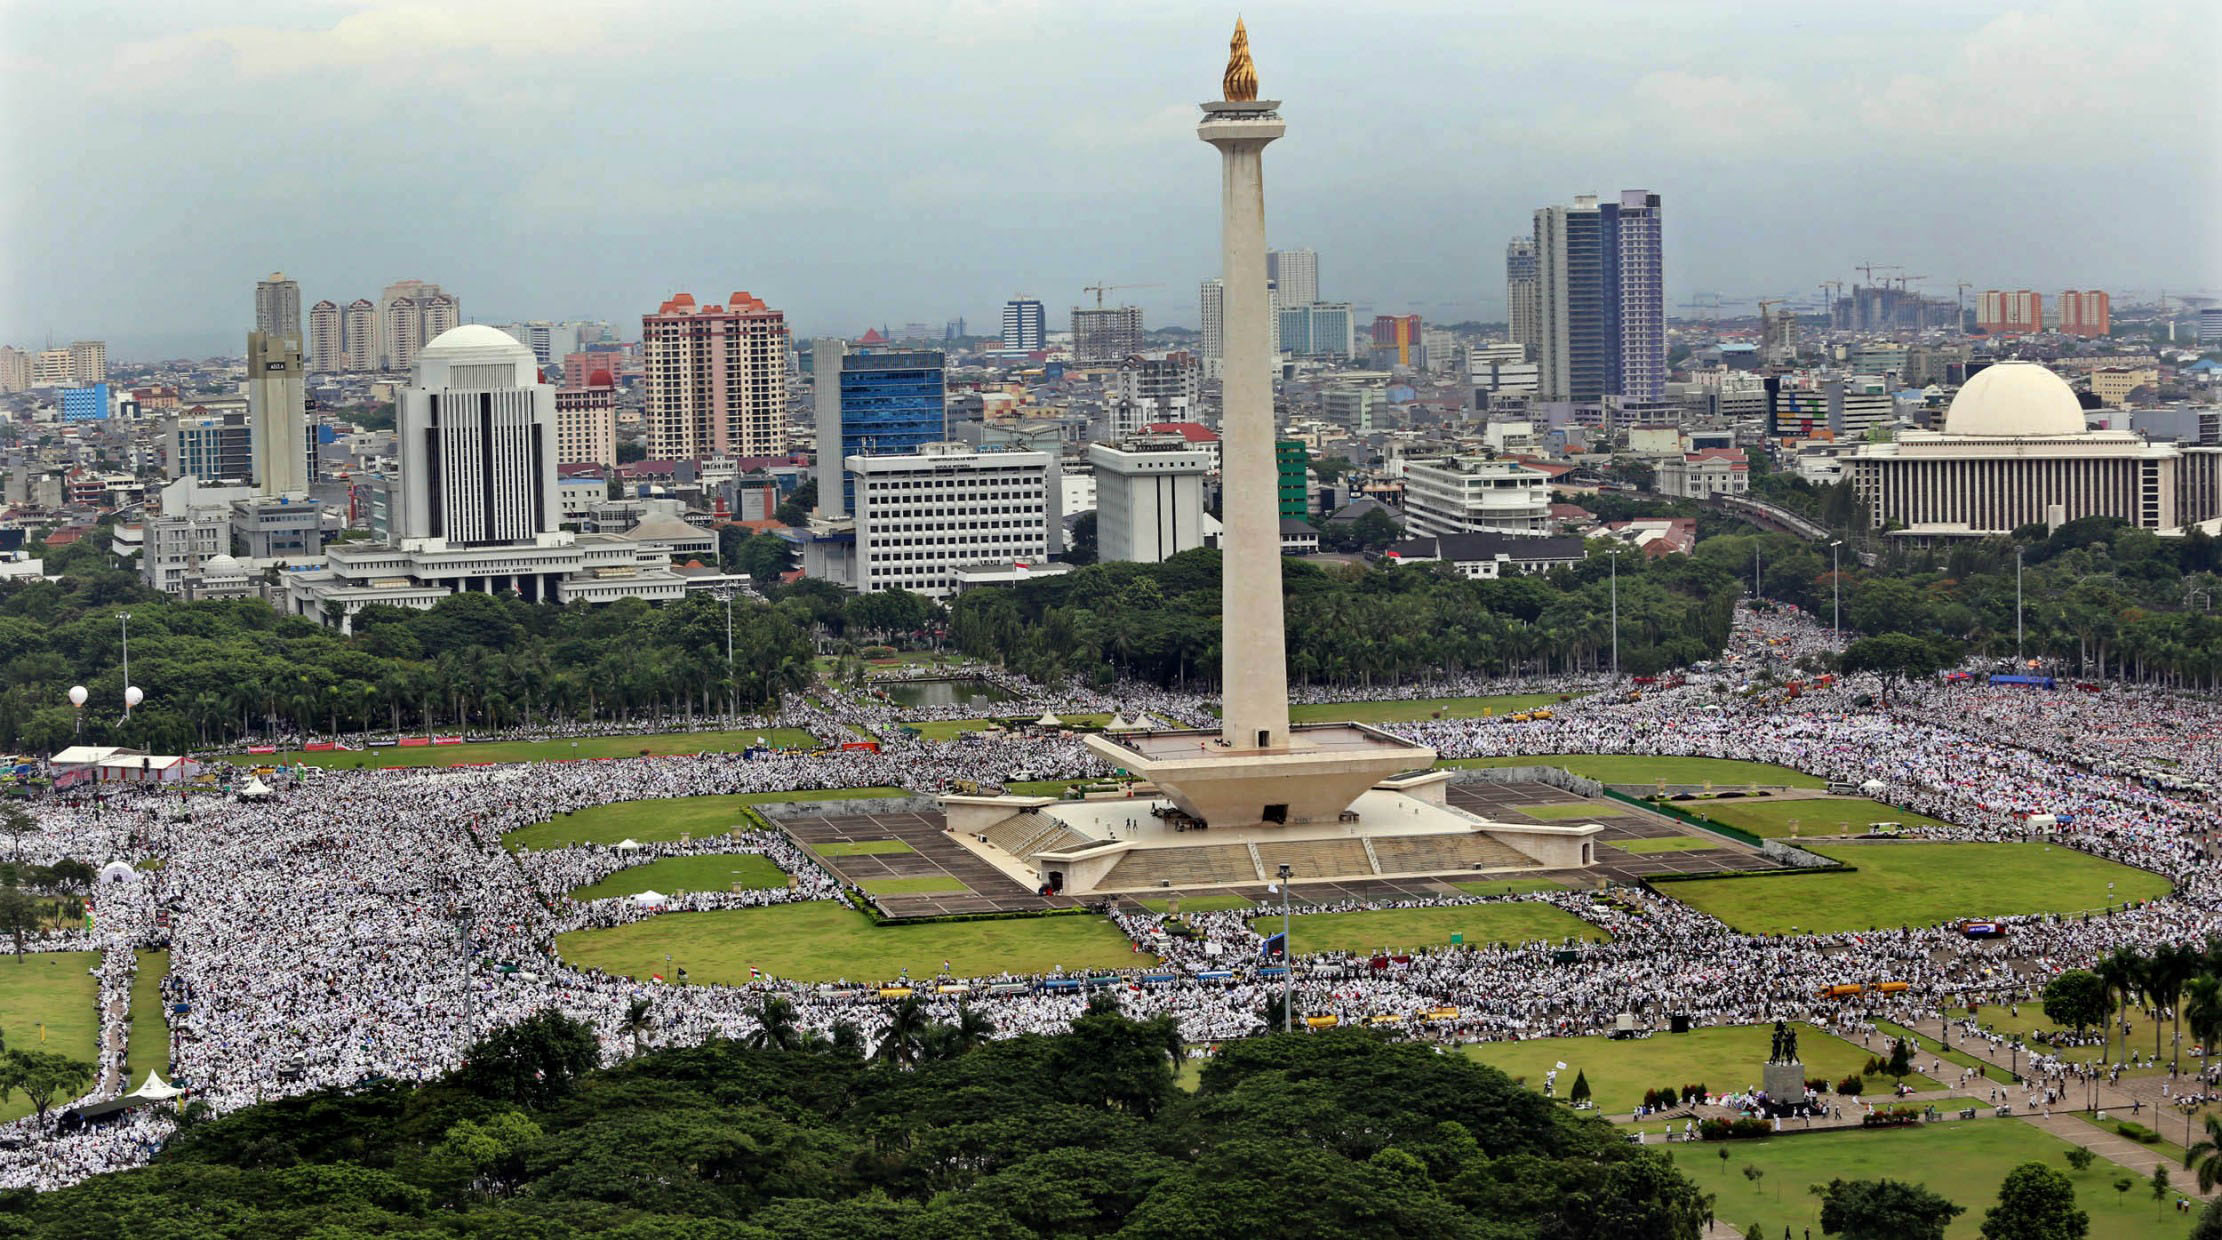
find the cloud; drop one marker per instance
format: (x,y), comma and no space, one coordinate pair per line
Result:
(1715,109)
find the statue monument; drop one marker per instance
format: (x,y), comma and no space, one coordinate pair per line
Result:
(1783,1077)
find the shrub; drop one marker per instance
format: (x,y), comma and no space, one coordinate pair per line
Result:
(1817,1085)
(1750,1127)
(1694,1093)
(2137,1132)
(1850,1086)
(1715,1129)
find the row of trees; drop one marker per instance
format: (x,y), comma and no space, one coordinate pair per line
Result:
(2177,978)
(1079,1134)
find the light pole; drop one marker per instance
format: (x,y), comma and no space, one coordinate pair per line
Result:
(1615,553)
(724,594)
(2017,605)
(1836,611)
(1288,959)
(130,693)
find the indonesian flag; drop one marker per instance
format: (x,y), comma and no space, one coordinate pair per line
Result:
(655,977)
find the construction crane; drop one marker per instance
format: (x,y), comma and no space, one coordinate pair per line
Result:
(1869,269)
(1099,289)
(1831,290)
(1959,307)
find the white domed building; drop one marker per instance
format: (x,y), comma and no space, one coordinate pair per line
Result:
(476,506)
(2015,450)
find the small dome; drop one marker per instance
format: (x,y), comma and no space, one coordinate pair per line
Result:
(2015,399)
(471,338)
(600,378)
(220,565)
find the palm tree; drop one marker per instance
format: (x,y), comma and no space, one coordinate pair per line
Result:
(2208,1155)
(846,1040)
(906,1032)
(776,1029)
(973,1028)
(2203,1008)
(2119,969)
(637,1024)
(2166,971)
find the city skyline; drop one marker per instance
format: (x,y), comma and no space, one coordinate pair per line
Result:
(1884,126)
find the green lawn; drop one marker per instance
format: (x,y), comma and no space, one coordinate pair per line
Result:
(1999,1019)
(861,848)
(1637,769)
(666,818)
(1931,1046)
(533,751)
(950,729)
(1723,1059)
(1814,815)
(1963,1161)
(1404,928)
(149,1048)
(709,872)
(1919,885)
(914,886)
(1665,844)
(1419,708)
(1509,886)
(55,991)
(824,941)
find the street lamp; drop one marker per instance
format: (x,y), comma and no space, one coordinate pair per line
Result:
(2017,605)
(724,594)
(1615,554)
(1288,959)
(1836,612)
(131,695)
(77,696)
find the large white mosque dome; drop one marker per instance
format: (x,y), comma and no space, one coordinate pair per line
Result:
(472,338)
(2011,399)
(475,357)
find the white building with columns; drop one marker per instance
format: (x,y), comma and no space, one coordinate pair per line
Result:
(1150,497)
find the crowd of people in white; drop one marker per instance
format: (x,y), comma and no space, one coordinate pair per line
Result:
(371,924)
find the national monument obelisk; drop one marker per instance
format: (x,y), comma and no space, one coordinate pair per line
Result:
(1253,640)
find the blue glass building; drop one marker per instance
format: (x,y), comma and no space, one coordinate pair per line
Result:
(85,404)
(891,405)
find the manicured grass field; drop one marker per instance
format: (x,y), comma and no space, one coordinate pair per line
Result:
(1637,769)
(149,1048)
(1664,844)
(667,818)
(950,729)
(1418,708)
(1814,815)
(532,751)
(824,941)
(1964,1161)
(1931,1046)
(1919,885)
(1999,1019)
(1509,886)
(914,886)
(709,872)
(1408,928)
(56,990)
(1723,1059)
(861,848)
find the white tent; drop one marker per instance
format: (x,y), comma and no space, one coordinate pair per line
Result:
(1873,788)
(255,790)
(117,872)
(156,1088)
(1049,721)
(651,899)
(628,845)
(1118,724)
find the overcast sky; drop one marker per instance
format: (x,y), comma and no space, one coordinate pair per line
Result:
(860,163)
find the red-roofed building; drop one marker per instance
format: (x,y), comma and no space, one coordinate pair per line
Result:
(1199,436)
(716,378)
(1656,536)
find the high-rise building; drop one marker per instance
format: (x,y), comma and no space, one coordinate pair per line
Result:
(1321,329)
(1295,273)
(1778,331)
(475,433)
(1601,303)
(211,447)
(586,422)
(1212,306)
(277,406)
(2084,313)
(1396,338)
(1292,461)
(1149,497)
(411,312)
(1105,333)
(1470,494)
(85,404)
(922,516)
(15,370)
(1522,299)
(2210,326)
(1024,327)
(888,404)
(327,340)
(278,306)
(88,361)
(52,368)
(1154,389)
(359,336)
(2018,312)
(716,379)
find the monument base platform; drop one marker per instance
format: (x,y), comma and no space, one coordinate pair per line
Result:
(1784,1082)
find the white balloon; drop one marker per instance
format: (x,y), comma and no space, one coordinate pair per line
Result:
(134,695)
(77,695)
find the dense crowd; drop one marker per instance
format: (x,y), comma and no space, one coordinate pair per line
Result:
(371,924)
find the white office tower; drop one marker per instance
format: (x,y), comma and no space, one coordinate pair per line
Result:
(327,339)
(1212,308)
(1024,325)
(476,436)
(1295,273)
(923,517)
(1149,497)
(826,353)
(277,409)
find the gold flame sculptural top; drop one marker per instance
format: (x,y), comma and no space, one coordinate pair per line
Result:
(1241,82)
